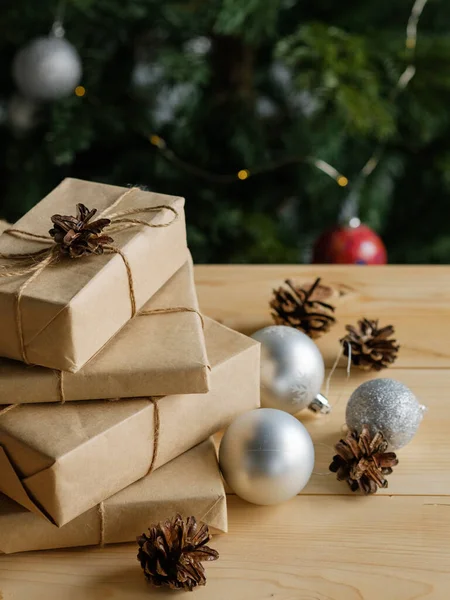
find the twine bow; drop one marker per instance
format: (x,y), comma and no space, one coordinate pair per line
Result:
(75,237)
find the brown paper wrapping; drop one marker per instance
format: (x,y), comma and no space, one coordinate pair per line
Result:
(153,355)
(190,485)
(72,309)
(62,460)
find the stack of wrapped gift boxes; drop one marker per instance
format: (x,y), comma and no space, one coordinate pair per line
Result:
(112,382)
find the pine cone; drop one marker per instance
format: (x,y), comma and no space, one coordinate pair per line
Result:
(362,461)
(173,551)
(76,237)
(300,308)
(370,348)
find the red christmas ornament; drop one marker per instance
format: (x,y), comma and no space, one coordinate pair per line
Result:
(350,245)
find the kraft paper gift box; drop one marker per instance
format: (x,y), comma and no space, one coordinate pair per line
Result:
(189,485)
(63,315)
(61,460)
(153,355)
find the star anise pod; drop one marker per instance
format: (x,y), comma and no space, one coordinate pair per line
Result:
(363,462)
(76,236)
(173,552)
(370,347)
(301,308)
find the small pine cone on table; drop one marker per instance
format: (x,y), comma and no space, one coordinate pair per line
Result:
(172,554)
(301,308)
(363,461)
(369,345)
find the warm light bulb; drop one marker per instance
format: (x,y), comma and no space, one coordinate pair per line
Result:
(243,174)
(157,141)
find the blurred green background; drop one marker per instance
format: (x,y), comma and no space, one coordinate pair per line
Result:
(244,84)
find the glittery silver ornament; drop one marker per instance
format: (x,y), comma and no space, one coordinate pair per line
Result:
(388,406)
(47,68)
(292,368)
(266,456)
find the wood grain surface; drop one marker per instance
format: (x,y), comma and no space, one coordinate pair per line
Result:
(415,299)
(325,544)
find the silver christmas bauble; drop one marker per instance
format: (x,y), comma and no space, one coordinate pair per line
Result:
(47,68)
(266,456)
(388,406)
(292,368)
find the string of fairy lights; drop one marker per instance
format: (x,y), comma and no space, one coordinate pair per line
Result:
(244,173)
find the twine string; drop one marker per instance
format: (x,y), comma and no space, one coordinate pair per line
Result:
(32,264)
(172,309)
(101,512)
(27,235)
(118,218)
(117,201)
(18,297)
(60,380)
(156,428)
(41,259)
(114,250)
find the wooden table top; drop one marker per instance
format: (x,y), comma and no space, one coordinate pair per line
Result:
(325,544)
